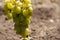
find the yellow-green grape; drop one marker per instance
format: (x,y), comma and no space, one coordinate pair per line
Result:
(22,0)
(30,9)
(27,1)
(9,5)
(17,9)
(24,6)
(25,13)
(12,1)
(9,15)
(28,20)
(7,11)
(29,5)
(18,3)
(27,32)
(7,0)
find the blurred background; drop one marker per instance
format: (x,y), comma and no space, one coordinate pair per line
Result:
(45,21)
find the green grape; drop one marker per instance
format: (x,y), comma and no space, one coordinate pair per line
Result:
(22,0)
(7,11)
(26,31)
(18,3)
(30,9)
(29,5)
(9,5)
(28,20)
(7,0)
(9,15)
(27,1)
(25,13)
(12,1)
(24,6)
(17,9)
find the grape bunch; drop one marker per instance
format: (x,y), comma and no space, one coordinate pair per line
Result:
(20,11)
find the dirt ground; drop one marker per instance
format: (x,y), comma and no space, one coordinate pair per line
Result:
(45,22)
